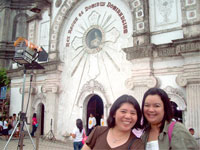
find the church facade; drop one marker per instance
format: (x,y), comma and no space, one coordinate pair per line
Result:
(101,49)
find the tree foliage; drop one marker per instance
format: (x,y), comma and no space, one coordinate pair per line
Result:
(4,80)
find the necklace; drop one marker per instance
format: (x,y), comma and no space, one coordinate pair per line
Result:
(115,140)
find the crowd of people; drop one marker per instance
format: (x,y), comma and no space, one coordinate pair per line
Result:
(7,125)
(154,120)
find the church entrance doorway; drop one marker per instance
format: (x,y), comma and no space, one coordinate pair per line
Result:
(177,112)
(95,106)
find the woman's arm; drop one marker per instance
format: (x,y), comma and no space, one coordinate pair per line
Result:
(73,135)
(85,147)
(182,139)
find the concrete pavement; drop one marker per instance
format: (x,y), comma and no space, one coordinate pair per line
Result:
(43,144)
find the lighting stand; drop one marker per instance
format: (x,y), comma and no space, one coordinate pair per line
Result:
(22,121)
(50,134)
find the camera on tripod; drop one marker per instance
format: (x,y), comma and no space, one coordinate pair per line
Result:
(23,116)
(26,54)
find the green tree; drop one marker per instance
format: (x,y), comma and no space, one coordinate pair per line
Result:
(4,80)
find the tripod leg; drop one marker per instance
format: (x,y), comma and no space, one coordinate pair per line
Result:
(53,137)
(47,136)
(30,135)
(11,135)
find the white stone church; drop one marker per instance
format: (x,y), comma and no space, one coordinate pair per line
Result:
(101,49)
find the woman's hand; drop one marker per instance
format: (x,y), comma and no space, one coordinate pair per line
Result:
(85,147)
(73,135)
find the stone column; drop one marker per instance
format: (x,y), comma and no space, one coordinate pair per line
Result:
(191,81)
(51,108)
(193,112)
(140,86)
(142,78)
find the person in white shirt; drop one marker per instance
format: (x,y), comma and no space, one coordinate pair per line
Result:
(91,123)
(102,122)
(5,128)
(77,134)
(192,132)
(1,125)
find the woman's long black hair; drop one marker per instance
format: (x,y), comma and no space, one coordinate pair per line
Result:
(79,124)
(168,114)
(117,104)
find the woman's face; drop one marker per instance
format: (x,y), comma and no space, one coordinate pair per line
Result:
(125,117)
(153,109)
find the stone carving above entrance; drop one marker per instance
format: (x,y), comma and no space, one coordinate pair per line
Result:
(89,88)
(176,96)
(40,98)
(92,86)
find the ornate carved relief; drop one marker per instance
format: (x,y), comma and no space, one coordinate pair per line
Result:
(139,14)
(190,2)
(139,51)
(173,49)
(95,33)
(165,8)
(188,77)
(135,4)
(150,81)
(140,25)
(91,86)
(56,25)
(191,14)
(64,10)
(40,98)
(50,89)
(164,15)
(176,96)
(181,80)
(138,7)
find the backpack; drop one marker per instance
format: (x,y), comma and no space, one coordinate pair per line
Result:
(170,130)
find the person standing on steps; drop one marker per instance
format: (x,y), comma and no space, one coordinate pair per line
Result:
(34,124)
(91,123)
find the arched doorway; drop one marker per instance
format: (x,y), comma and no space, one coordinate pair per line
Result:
(177,112)
(41,109)
(178,102)
(95,106)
